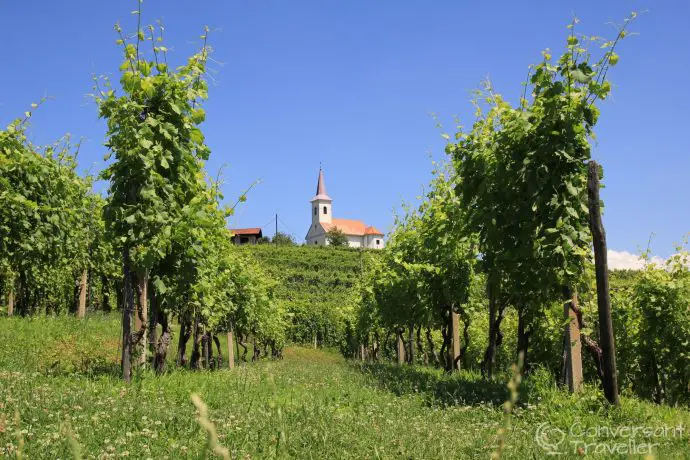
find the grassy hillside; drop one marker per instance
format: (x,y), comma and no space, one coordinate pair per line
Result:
(312,404)
(316,284)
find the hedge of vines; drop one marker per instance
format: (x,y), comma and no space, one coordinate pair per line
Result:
(157,245)
(50,230)
(317,286)
(503,232)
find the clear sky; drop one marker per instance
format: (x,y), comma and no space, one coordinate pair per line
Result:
(353,84)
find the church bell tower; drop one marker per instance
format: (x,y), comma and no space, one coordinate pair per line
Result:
(321,204)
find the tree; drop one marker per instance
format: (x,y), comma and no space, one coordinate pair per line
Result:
(423,278)
(164,214)
(159,154)
(283,239)
(336,238)
(524,180)
(49,224)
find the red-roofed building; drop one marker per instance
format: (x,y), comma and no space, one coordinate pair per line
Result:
(246,235)
(359,235)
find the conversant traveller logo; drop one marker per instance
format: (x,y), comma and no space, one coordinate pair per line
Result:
(582,439)
(549,438)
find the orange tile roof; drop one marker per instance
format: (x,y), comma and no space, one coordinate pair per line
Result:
(351,227)
(246,231)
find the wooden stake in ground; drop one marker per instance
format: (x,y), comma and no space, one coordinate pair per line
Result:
(410,344)
(400,347)
(231,351)
(573,366)
(10,303)
(127,308)
(141,320)
(603,295)
(137,321)
(153,321)
(496,315)
(81,310)
(362,354)
(454,349)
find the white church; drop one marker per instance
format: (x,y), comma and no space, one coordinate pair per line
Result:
(358,234)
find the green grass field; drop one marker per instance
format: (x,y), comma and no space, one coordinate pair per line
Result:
(60,397)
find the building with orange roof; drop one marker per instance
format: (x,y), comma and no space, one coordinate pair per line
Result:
(246,235)
(359,235)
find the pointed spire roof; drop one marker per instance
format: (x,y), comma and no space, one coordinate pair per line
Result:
(321,188)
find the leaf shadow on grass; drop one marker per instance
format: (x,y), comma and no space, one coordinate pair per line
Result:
(435,386)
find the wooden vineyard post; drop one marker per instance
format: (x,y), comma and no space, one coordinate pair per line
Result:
(410,344)
(489,355)
(141,310)
(231,351)
(573,369)
(608,346)
(141,319)
(10,303)
(400,347)
(153,323)
(137,320)
(81,310)
(127,308)
(454,349)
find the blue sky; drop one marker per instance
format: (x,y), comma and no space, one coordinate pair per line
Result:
(352,84)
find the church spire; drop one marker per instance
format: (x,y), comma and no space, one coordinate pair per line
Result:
(321,188)
(321,185)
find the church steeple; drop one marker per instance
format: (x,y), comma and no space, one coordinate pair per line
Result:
(359,235)
(321,204)
(321,188)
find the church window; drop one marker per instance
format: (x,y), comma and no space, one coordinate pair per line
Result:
(378,241)
(325,210)
(315,210)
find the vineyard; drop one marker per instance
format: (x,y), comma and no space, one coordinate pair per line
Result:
(317,286)
(134,326)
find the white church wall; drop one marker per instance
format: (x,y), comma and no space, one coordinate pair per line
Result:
(371,242)
(354,241)
(316,236)
(317,240)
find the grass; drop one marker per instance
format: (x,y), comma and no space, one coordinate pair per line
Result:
(60,394)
